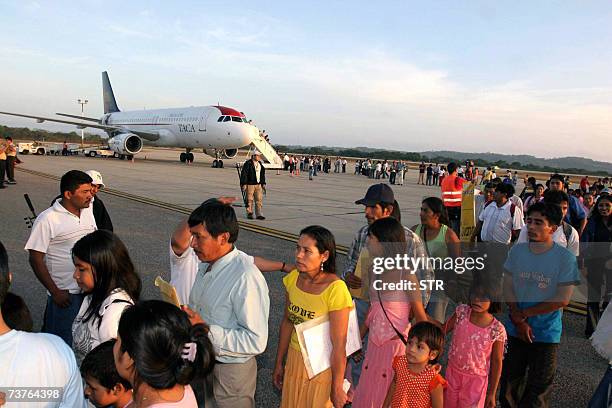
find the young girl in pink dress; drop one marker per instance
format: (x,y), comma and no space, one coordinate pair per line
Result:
(388,317)
(476,351)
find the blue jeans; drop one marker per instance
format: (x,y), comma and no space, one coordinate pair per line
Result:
(310,173)
(603,394)
(58,320)
(436,307)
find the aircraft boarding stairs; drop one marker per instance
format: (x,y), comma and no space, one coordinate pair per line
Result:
(271,158)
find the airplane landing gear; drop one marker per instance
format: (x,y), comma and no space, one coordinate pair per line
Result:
(187,156)
(217,163)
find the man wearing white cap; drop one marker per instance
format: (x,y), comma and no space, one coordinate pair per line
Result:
(103,220)
(253,181)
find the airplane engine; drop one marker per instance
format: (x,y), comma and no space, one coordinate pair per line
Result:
(125,143)
(230,153)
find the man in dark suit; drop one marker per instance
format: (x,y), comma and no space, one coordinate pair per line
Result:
(253,182)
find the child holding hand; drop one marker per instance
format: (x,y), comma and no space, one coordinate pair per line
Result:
(417,382)
(476,351)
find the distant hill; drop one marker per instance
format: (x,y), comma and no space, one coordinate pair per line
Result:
(568,165)
(559,163)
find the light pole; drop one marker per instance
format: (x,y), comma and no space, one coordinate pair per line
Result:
(82,102)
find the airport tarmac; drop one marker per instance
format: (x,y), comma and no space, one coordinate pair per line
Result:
(291,203)
(146,230)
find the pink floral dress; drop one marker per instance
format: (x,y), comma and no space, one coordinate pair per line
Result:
(469,360)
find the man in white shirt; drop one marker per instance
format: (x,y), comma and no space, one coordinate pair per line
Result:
(36,361)
(231,296)
(53,235)
(501,220)
(499,223)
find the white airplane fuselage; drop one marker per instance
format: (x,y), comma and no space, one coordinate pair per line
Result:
(201,127)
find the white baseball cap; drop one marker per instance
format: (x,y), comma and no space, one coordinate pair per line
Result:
(256,153)
(96,177)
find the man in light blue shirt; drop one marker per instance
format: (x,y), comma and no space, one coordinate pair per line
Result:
(538,283)
(231,296)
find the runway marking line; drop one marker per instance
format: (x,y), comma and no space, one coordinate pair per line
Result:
(576,307)
(341,249)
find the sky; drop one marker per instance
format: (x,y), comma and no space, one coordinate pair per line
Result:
(515,77)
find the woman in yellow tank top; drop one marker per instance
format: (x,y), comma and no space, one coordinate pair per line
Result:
(440,242)
(313,290)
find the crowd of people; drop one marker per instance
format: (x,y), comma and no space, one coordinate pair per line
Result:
(102,341)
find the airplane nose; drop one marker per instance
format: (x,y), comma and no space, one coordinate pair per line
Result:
(248,134)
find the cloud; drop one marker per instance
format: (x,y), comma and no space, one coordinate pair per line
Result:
(130,32)
(369,96)
(32,6)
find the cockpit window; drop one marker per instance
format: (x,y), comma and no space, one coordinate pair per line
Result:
(226,119)
(236,119)
(220,119)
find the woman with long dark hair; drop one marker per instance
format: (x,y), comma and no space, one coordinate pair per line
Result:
(598,235)
(106,274)
(313,290)
(160,352)
(440,242)
(388,318)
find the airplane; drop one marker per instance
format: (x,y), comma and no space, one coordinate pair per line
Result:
(218,130)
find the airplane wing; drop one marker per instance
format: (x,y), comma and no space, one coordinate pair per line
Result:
(78,117)
(80,125)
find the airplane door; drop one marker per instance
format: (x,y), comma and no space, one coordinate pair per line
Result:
(203,120)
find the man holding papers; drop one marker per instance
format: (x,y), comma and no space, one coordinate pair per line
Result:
(231,296)
(313,290)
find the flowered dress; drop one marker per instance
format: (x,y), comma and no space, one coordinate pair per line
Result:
(469,360)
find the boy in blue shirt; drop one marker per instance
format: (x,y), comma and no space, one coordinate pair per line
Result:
(538,282)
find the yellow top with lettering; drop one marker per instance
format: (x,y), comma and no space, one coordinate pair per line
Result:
(307,306)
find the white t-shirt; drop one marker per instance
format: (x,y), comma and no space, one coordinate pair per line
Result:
(257,166)
(87,335)
(183,270)
(517,201)
(54,233)
(40,360)
(559,237)
(498,222)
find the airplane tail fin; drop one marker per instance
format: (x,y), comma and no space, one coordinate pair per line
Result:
(110,105)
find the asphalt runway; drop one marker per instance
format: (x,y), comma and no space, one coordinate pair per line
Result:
(291,203)
(146,230)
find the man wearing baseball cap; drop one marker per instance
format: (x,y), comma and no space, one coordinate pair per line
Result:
(253,182)
(103,220)
(380,202)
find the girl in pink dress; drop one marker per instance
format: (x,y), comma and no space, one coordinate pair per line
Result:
(476,351)
(388,317)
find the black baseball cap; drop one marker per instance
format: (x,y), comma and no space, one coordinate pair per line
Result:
(376,194)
